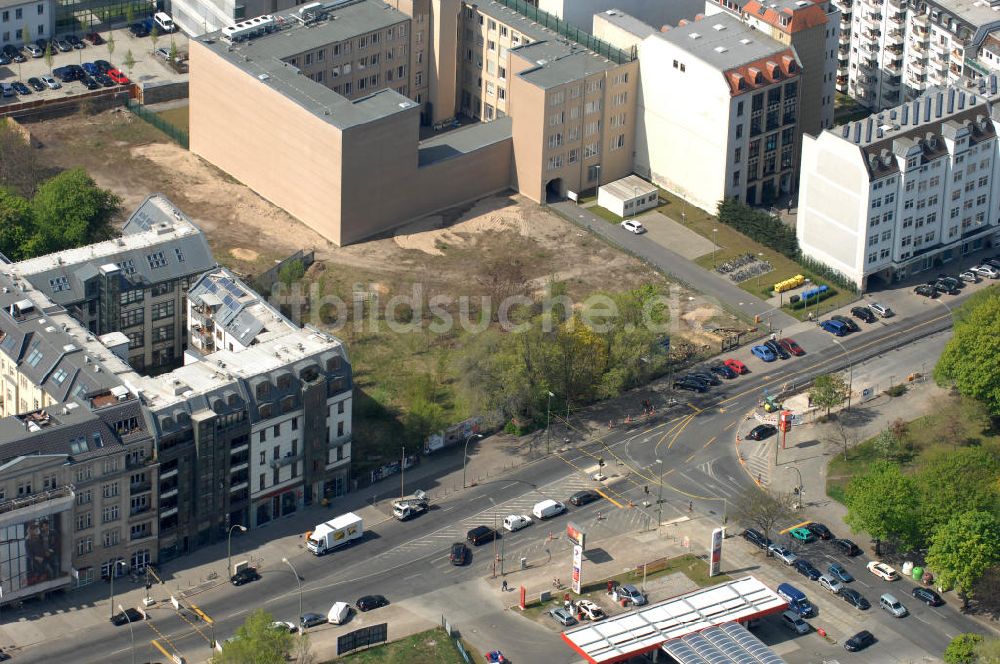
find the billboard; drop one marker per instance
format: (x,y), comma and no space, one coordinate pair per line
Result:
(576,534)
(29,553)
(577,567)
(715,554)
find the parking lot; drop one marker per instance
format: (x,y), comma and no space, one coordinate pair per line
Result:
(148,68)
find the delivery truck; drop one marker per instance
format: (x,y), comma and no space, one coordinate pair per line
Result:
(410,506)
(337,532)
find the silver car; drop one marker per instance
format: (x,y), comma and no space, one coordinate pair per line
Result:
(562,616)
(831,583)
(782,554)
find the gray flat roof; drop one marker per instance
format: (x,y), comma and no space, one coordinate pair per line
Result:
(465,140)
(560,63)
(971,11)
(263,58)
(722,41)
(628,23)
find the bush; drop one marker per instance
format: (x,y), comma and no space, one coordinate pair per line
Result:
(896,390)
(962,649)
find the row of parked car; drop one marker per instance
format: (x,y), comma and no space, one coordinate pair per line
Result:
(774,349)
(92,75)
(840,326)
(701,381)
(946,284)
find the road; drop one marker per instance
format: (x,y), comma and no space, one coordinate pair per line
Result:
(407,562)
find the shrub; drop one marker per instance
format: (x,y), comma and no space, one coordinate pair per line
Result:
(896,390)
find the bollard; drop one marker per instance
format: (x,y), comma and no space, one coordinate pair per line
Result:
(821,631)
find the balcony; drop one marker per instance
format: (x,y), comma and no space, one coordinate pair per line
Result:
(167,475)
(238,467)
(872,34)
(286,460)
(139,487)
(893,81)
(239,448)
(238,487)
(23,508)
(895,49)
(168,494)
(891,97)
(897,18)
(139,510)
(168,513)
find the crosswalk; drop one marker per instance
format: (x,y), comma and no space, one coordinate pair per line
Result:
(757,456)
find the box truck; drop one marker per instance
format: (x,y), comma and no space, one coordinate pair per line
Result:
(337,532)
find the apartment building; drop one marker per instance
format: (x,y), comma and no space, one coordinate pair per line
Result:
(19,16)
(906,191)
(584,14)
(719,89)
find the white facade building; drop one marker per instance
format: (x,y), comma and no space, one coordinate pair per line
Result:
(904,192)
(34,15)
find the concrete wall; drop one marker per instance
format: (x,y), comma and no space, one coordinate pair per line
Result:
(444,58)
(154,93)
(580,13)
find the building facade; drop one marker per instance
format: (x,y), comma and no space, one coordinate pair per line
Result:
(915,188)
(18,16)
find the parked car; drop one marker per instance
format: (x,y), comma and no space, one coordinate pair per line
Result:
(308,620)
(139,29)
(851,325)
(782,554)
(855,599)
(34,51)
(94,38)
(125,617)
(762,431)
(954,282)
(370,602)
(14,53)
(777,349)
(90,83)
(63,45)
(863,313)
(722,370)
(881,310)
(791,346)
(20,88)
(926,291)
(514,522)
(5,59)
(244,576)
(75,42)
(859,641)
(943,286)
(104,80)
(706,378)
(686,383)
(927,596)
(459,554)
(764,353)
(882,570)
(969,277)
(806,569)
(584,497)
(562,616)
(838,571)
(162,53)
(834,327)
(794,622)
(633,226)
(103,66)
(802,534)
(480,535)
(51,83)
(819,530)
(986,271)
(847,547)
(628,592)
(590,610)
(117,77)
(36,84)
(737,366)
(91,68)
(756,538)
(6,90)
(831,583)
(284,626)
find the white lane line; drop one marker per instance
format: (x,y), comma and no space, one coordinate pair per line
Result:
(509,485)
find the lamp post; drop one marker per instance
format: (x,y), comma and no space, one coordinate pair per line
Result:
(495,556)
(715,244)
(548,419)
(465,455)
(114,568)
(298,581)
(760,255)
(402,473)
(229,548)
(850,371)
(798,497)
(131,632)
(659,497)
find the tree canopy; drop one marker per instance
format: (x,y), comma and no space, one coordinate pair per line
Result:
(962,649)
(762,509)
(952,482)
(963,549)
(257,642)
(828,391)
(971,358)
(882,501)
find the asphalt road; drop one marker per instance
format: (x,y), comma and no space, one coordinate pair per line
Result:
(408,560)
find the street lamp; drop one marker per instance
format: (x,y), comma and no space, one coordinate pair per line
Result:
(465,455)
(659,497)
(114,568)
(548,419)
(715,244)
(229,548)
(298,581)
(760,255)
(798,496)
(131,632)
(850,371)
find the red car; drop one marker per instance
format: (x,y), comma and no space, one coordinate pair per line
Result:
(736,366)
(118,77)
(792,347)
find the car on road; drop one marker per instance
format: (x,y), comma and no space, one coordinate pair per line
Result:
(284,625)
(762,431)
(802,534)
(312,620)
(851,325)
(546,509)
(370,602)
(737,366)
(590,610)
(847,547)
(584,497)
(94,38)
(514,522)
(633,226)
(859,641)
(892,606)
(34,51)
(855,599)
(863,313)
(777,349)
(764,353)
(117,76)
(20,88)
(882,570)
(806,569)
(36,84)
(480,535)
(782,554)
(51,83)
(756,538)
(562,616)
(244,576)
(837,571)
(819,530)
(496,657)
(927,596)
(881,310)
(969,277)
(706,377)
(791,346)
(723,370)
(125,617)
(986,271)
(835,328)
(831,583)
(459,554)
(686,383)
(926,291)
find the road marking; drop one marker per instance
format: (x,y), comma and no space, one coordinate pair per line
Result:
(710,441)
(688,460)
(412,576)
(731,425)
(609,498)
(791,528)
(509,485)
(166,654)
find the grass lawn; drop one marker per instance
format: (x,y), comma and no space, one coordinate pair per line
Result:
(430,646)
(956,418)
(178,117)
(691,566)
(605,214)
(847,110)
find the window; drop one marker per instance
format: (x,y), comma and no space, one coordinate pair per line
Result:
(617,142)
(132,318)
(277,431)
(110,514)
(554,162)
(139,531)
(59,376)
(110,489)
(156,260)
(59,284)
(84,546)
(84,497)
(163,333)
(110,466)
(110,538)
(34,357)
(591,150)
(163,310)
(136,339)
(83,521)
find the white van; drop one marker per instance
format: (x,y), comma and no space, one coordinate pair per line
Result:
(514,522)
(339,613)
(892,605)
(548,509)
(164,23)
(794,622)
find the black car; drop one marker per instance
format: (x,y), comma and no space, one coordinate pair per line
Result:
(459,553)
(20,88)
(105,80)
(244,576)
(776,348)
(762,431)
(103,66)
(926,291)
(311,620)
(36,84)
(14,53)
(687,383)
(819,530)
(706,377)
(756,538)
(5,59)
(369,602)
(90,83)
(139,29)
(722,370)
(856,599)
(75,41)
(927,596)
(124,618)
(584,497)
(851,325)
(847,547)
(859,641)
(806,569)
(44,44)
(481,535)
(863,313)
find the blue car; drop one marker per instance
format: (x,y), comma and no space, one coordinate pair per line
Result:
(835,327)
(91,68)
(764,353)
(837,571)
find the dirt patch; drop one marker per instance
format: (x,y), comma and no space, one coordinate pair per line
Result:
(240,254)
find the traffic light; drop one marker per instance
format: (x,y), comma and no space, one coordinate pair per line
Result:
(600,462)
(645,489)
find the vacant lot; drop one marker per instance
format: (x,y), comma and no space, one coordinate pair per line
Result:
(431,646)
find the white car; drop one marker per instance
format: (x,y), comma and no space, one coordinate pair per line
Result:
(830,583)
(547,509)
(590,610)
(782,554)
(34,50)
(514,522)
(50,83)
(882,570)
(633,226)
(285,625)
(881,310)
(987,271)
(969,276)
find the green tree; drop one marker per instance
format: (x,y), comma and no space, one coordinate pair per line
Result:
(70,210)
(129,62)
(828,391)
(962,649)
(882,501)
(173,51)
(257,642)
(110,43)
(988,651)
(762,509)
(963,549)
(291,272)
(154,35)
(971,358)
(886,445)
(16,226)
(129,13)
(956,481)
(48,56)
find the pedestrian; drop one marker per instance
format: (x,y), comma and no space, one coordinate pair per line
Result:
(690,506)
(504,586)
